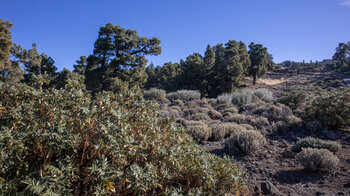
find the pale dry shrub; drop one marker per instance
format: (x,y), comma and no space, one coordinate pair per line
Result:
(198,130)
(245,142)
(278,112)
(310,142)
(241,98)
(177,102)
(294,121)
(236,118)
(199,116)
(247,126)
(215,115)
(318,159)
(223,130)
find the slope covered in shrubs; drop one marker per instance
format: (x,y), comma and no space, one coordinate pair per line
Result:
(64,142)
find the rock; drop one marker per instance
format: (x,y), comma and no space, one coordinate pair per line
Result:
(268,188)
(341,193)
(288,154)
(347,185)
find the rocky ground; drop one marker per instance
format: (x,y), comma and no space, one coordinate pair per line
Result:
(273,169)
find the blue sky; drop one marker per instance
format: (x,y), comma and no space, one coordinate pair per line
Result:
(290,29)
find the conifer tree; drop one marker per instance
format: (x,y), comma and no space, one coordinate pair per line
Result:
(10,71)
(119,58)
(259,60)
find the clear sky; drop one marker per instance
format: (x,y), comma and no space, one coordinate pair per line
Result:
(290,29)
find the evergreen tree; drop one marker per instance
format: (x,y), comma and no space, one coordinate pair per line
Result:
(168,76)
(259,60)
(209,62)
(119,58)
(192,73)
(342,56)
(10,71)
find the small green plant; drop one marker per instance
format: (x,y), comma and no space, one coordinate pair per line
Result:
(245,142)
(317,159)
(241,98)
(310,142)
(155,94)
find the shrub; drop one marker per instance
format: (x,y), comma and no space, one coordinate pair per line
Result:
(317,159)
(245,142)
(223,130)
(332,108)
(199,116)
(199,131)
(310,142)
(193,111)
(236,118)
(241,98)
(294,98)
(263,94)
(215,115)
(278,112)
(294,121)
(184,95)
(63,142)
(177,103)
(229,111)
(170,112)
(314,126)
(225,99)
(155,94)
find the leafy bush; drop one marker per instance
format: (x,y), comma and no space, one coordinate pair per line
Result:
(155,94)
(184,95)
(263,94)
(318,159)
(294,98)
(225,99)
(245,142)
(310,142)
(222,130)
(63,142)
(332,108)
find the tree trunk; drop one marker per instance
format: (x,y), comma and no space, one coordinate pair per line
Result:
(254,79)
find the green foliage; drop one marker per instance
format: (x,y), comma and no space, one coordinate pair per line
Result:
(198,130)
(318,159)
(184,95)
(342,56)
(259,60)
(310,142)
(118,61)
(155,94)
(332,108)
(10,71)
(62,142)
(245,142)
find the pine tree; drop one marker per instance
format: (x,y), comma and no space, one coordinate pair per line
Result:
(10,71)
(259,60)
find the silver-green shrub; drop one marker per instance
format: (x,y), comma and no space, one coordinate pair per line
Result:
(317,159)
(184,95)
(155,94)
(263,94)
(245,141)
(310,142)
(225,98)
